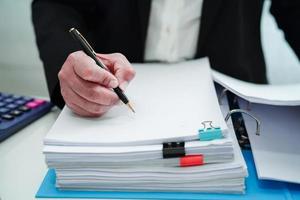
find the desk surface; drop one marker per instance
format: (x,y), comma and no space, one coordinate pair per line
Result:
(22,165)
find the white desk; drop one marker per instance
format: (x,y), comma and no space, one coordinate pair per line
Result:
(22,165)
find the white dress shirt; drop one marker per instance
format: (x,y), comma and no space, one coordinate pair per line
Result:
(173,30)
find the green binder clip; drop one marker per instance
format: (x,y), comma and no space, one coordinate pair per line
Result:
(209,132)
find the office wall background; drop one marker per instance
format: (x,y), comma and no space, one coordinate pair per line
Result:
(21,70)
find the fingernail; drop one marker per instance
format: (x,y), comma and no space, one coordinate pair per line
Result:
(124,85)
(113,83)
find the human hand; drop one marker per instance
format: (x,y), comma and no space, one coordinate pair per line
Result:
(86,88)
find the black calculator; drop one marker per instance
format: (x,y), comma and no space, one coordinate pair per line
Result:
(18,111)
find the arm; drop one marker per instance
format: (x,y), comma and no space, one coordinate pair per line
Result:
(52,20)
(287,15)
(72,76)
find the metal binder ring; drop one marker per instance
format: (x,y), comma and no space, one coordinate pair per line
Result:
(223,93)
(245,112)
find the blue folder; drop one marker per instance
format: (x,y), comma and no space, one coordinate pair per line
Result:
(256,189)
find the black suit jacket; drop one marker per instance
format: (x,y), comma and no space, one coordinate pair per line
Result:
(229,33)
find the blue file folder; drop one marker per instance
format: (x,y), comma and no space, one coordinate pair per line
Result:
(256,189)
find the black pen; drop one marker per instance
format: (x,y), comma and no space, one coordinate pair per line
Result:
(90,52)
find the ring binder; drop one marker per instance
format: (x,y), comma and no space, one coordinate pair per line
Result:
(222,95)
(244,112)
(173,149)
(238,122)
(209,133)
(248,105)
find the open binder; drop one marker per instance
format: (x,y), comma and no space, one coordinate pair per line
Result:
(276,152)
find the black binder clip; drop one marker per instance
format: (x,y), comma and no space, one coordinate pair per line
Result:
(173,149)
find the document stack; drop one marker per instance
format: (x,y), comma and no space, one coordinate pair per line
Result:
(177,140)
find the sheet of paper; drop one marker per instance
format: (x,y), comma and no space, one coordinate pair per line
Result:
(135,149)
(171,101)
(258,93)
(276,151)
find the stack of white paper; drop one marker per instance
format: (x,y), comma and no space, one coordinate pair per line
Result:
(124,151)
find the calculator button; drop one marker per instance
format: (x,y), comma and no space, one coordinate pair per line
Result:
(8,100)
(11,106)
(3,110)
(20,102)
(16,112)
(16,97)
(2,104)
(7,117)
(24,108)
(32,104)
(27,99)
(6,95)
(39,101)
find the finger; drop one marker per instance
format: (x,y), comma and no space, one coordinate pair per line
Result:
(92,92)
(124,85)
(87,69)
(81,112)
(74,100)
(119,66)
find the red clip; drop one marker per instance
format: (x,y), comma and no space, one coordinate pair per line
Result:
(191,160)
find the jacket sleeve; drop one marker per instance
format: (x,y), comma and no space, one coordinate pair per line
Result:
(287,15)
(52,21)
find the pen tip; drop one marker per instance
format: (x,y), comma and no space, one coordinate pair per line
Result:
(130,107)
